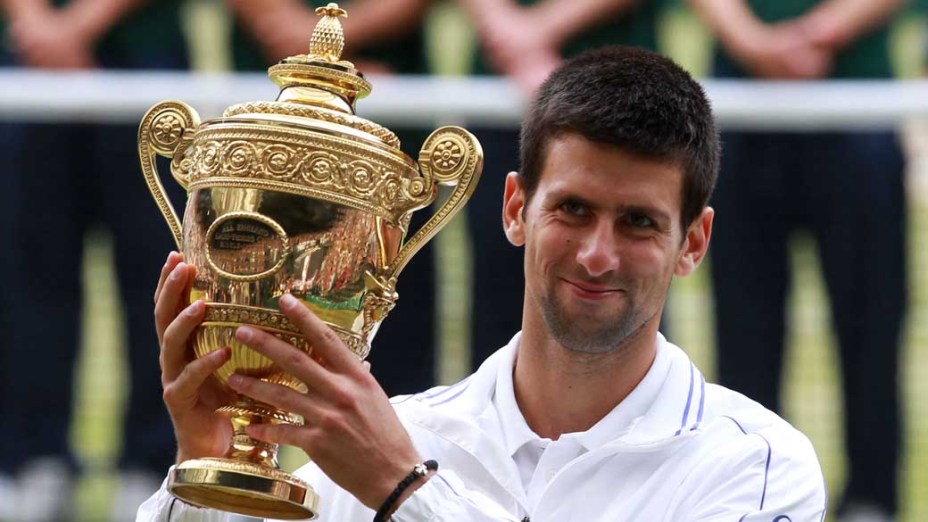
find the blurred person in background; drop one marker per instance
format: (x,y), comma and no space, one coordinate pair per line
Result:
(525,40)
(846,189)
(380,38)
(74,177)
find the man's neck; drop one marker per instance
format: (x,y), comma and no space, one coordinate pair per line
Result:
(559,391)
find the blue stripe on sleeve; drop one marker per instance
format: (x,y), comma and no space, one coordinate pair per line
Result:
(763,494)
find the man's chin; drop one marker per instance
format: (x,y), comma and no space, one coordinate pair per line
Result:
(584,336)
(585,333)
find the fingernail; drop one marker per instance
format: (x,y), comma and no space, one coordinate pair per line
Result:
(287,301)
(235,380)
(178,271)
(244,333)
(195,308)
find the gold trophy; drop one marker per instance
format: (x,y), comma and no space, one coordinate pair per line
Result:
(297,196)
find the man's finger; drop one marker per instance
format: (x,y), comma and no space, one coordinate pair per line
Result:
(173,259)
(325,342)
(277,395)
(279,434)
(290,359)
(187,385)
(171,298)
(176,336)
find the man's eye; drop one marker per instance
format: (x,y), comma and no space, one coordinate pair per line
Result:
(640,221)
(574,208)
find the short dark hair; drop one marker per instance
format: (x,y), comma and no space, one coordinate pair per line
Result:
(636,100)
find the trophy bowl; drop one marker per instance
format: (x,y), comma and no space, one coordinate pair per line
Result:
(297,196)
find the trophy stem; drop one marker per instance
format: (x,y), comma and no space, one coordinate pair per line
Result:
(244,448)
(247,479)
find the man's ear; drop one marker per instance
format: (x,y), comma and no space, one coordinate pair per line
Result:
(696,243)
(513,205)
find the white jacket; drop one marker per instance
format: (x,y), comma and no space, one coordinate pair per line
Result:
(696,452)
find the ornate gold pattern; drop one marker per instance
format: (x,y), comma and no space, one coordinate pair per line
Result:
(463,172)
(303,69)
(328,40)
(451,154)
(376,308)
(278,323)
(353,174)
(447,155)
(166,128)
(218,464)
(241,314)
(292,109)
(260,410)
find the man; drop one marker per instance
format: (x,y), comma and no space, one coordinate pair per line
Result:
(588,414)
(846,189)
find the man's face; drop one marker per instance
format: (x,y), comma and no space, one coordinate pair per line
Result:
(602,242)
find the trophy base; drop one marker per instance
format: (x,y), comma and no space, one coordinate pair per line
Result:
(243,488)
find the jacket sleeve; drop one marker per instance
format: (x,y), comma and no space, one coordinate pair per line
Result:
(444,498)
(759,477)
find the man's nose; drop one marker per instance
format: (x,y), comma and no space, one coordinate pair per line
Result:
(599,249)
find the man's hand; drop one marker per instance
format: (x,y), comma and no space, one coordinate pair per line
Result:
(191,394)
(351,430)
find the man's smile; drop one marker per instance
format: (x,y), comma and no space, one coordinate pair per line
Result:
(592,290)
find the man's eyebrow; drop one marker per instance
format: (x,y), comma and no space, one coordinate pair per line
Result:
(645,209)
(556,195)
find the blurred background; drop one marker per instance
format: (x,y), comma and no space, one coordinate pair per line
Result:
(827,323)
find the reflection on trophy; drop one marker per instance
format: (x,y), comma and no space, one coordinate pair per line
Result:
(298,196)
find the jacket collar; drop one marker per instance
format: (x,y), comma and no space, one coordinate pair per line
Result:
(515,432)
(668,410)
(669,402)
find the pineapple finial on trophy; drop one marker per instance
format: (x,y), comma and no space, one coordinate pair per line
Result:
(328,40)
(320,77)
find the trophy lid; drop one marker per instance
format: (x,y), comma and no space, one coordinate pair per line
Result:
(320,85)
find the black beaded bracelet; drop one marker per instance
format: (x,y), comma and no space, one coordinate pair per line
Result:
(419,471)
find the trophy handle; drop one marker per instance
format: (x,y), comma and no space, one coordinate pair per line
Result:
(167,129)
(450,156)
